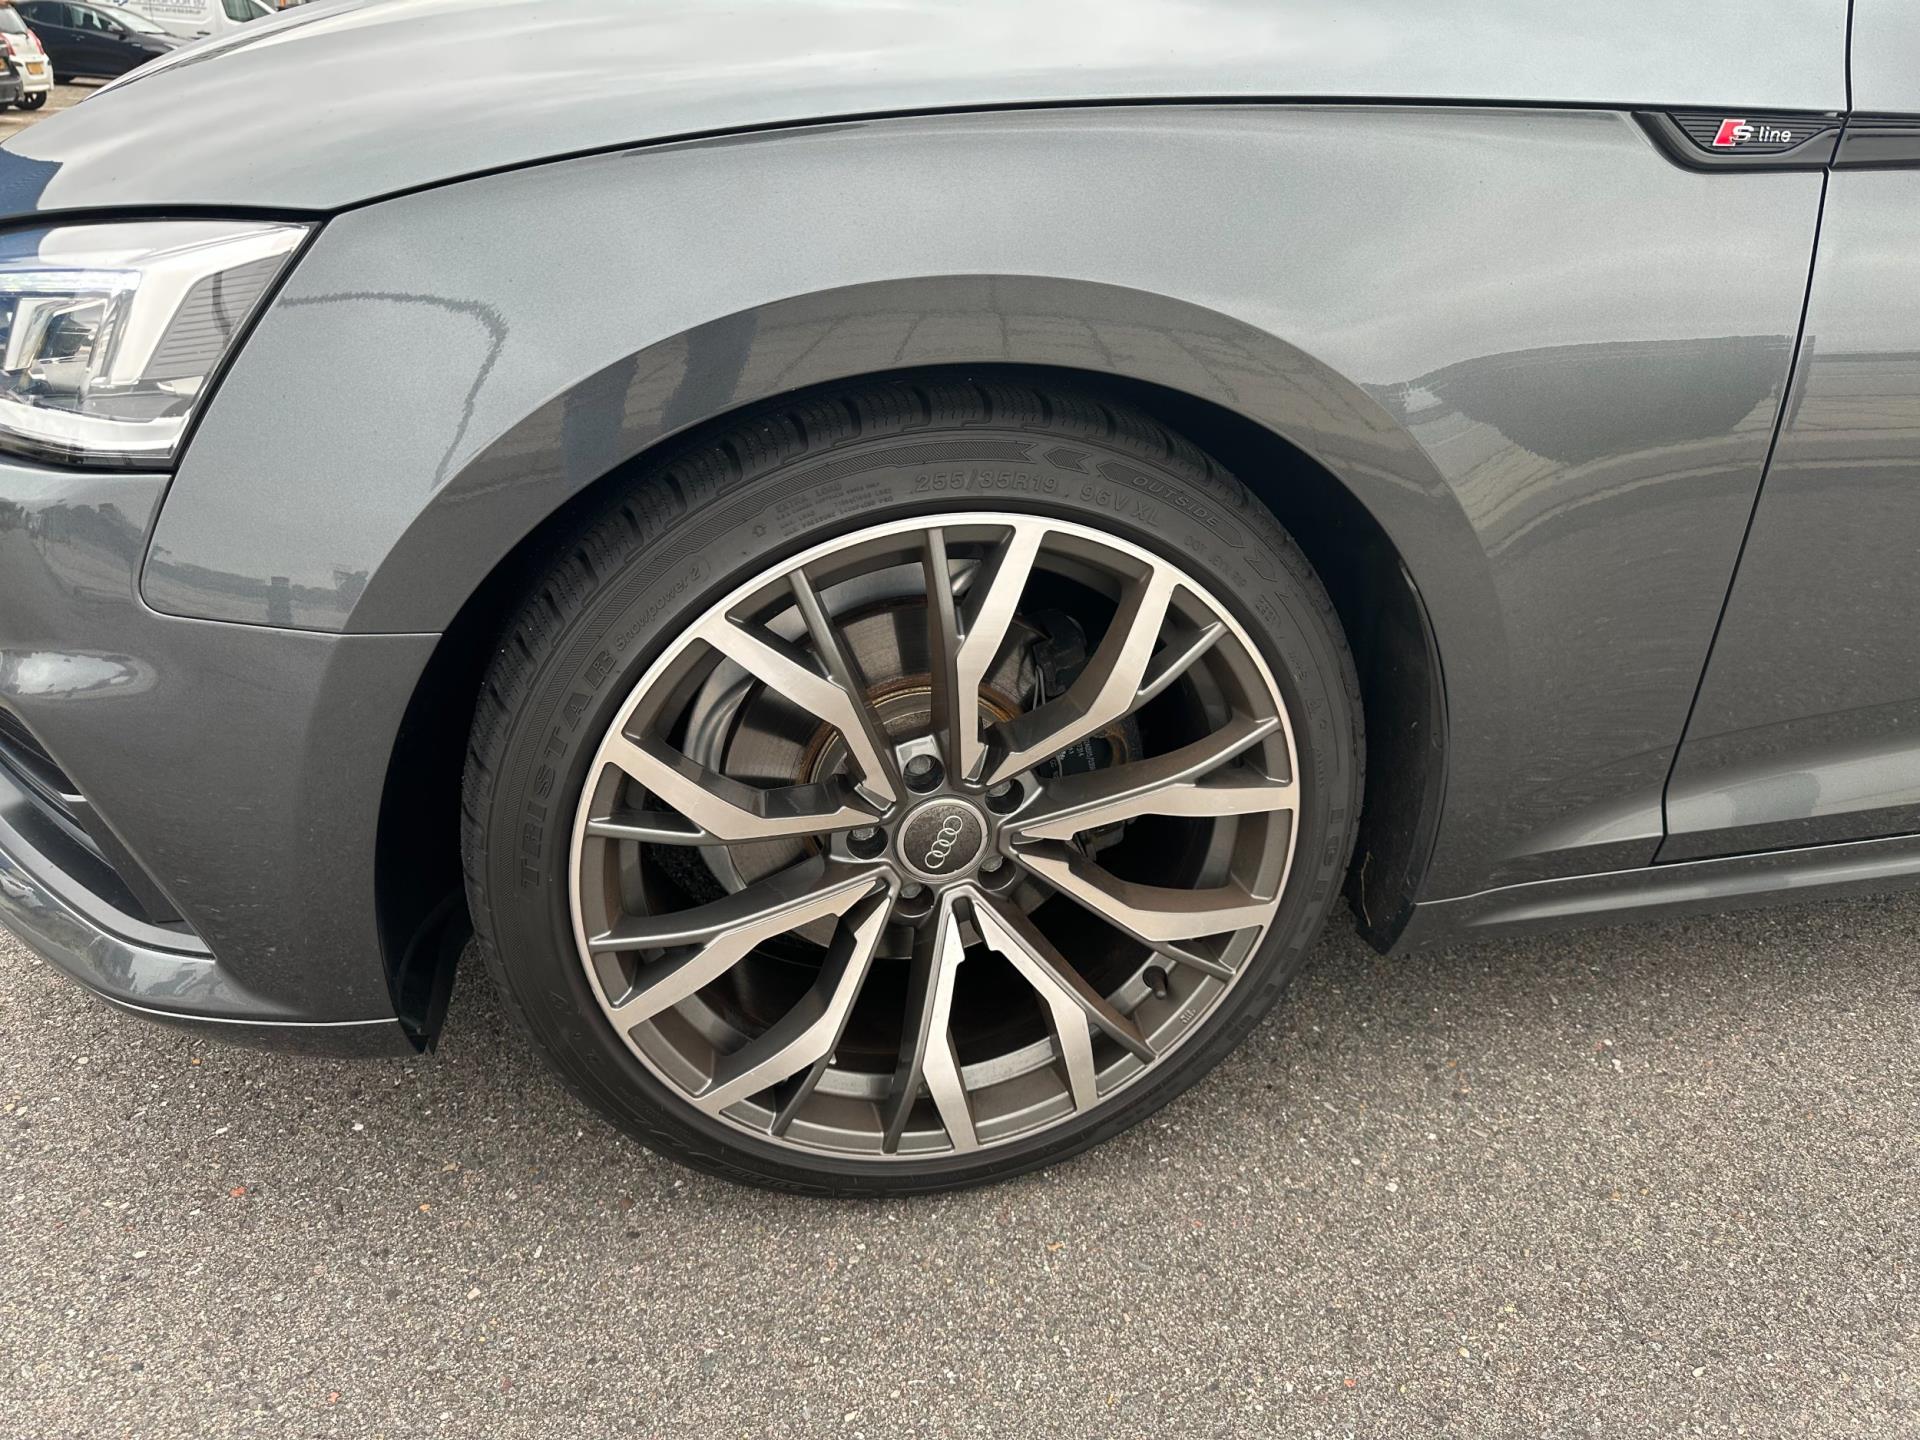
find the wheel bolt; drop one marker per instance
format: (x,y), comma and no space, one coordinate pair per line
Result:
(923,773)
(912,891)
(1003,798)
(866,842)
(991,864)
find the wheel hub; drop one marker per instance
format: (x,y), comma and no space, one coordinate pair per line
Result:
(941,840)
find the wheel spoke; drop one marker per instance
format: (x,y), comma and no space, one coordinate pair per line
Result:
(845,671)
(805,1038)
(1196,959)
(1154,914)
(654,827)
(1174,660)
(723,811)
(965,639)
(1074,1006)
(954,714)
(704,942)
(1104,692)
(926,1045)
(1187,781)
(784,669)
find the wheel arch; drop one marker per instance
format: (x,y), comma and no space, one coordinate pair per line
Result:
(1312,444)
(1106,333)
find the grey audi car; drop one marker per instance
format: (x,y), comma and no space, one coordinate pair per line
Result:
(891,562)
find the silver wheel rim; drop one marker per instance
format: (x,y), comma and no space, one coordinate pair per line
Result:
(1041,868)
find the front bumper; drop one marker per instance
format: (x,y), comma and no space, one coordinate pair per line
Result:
(129,972)
(234,772)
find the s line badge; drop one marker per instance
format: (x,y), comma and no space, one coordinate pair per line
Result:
(1741,132)
(1703,140)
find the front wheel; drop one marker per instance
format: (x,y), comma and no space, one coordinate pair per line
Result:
(910,787)
(34,102)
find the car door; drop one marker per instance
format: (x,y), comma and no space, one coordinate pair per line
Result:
(1806,730)
(120,51)
(98,42)
(193,19)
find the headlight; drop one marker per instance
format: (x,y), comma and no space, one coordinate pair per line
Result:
(110,333)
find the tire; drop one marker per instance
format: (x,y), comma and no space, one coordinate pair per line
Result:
(836,474)
(34,102)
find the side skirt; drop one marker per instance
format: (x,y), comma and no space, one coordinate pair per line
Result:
(1818,872)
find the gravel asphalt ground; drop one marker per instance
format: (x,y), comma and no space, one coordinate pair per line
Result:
(1656,1181)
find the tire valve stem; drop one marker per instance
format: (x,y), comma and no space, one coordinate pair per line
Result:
(1156,979)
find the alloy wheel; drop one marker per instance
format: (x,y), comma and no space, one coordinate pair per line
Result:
(934,836)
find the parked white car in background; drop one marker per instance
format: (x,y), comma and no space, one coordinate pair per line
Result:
(196,19)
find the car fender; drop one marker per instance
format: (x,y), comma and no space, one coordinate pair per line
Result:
(1533,349)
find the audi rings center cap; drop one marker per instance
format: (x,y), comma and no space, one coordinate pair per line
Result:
(942,839)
